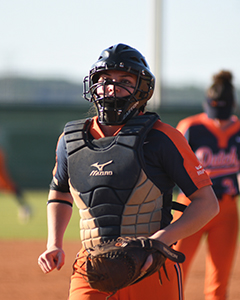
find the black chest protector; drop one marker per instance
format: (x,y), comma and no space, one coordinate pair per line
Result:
(107,179)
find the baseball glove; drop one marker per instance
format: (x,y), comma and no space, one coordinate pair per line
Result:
(113,265)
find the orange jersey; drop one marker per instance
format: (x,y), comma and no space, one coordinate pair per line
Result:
(218,150)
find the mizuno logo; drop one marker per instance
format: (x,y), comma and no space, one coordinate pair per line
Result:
(100,171)
(100,167)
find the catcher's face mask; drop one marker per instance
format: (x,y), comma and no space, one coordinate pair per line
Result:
(114,95)
(117,107)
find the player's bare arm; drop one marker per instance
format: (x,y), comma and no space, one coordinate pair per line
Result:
(192,220)
(203,208)
(59,214)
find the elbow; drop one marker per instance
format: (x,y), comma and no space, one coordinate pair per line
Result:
(212,203)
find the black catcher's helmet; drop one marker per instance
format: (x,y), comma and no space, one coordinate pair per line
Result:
(115,110)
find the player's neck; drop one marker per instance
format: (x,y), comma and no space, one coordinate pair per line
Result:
(110,130)
(223,124)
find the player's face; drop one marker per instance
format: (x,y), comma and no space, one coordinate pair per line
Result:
(126,83)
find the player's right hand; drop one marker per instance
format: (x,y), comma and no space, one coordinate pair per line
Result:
(51,259)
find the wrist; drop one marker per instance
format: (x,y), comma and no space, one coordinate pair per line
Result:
(163,237)
(54,245)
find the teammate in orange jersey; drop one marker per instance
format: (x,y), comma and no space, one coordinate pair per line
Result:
(214,136)
(7,185)
(120,168)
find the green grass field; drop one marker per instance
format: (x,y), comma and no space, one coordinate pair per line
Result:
(36,227)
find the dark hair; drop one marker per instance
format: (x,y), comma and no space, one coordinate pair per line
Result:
(221,87)
(220,98)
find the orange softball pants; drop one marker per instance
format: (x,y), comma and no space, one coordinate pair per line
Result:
(148,288)
(221,233)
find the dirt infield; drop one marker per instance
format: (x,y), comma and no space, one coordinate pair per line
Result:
(22,279)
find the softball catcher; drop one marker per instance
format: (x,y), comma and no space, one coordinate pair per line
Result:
(120,168)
